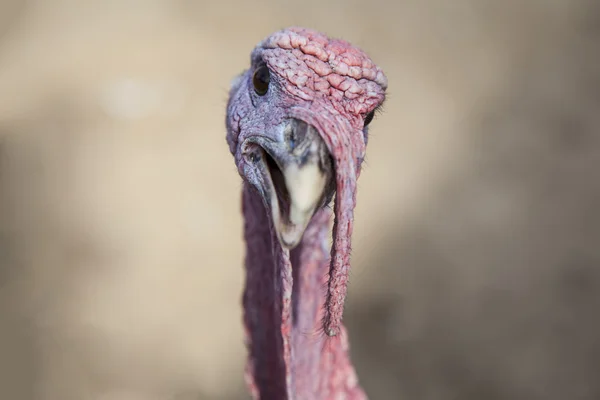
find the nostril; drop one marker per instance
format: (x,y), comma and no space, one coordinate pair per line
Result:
(253,157)
(252,154)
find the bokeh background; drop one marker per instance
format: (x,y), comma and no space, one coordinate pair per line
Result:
(476,264)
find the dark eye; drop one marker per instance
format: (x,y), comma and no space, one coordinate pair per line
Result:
(369,118)
(261,80)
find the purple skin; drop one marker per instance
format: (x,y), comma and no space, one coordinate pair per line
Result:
(297,127)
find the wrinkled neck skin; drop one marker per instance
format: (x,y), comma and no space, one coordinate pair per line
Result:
(290,357)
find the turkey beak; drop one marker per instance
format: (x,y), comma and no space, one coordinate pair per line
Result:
(300,179)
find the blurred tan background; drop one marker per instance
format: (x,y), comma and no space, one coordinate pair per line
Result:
(476,268)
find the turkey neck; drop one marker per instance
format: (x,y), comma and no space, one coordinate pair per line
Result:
(290,357)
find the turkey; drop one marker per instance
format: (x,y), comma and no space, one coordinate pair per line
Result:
(297,125)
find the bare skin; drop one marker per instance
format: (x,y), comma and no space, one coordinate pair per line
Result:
(297,127)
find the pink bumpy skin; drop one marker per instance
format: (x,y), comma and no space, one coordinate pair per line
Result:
(334,87)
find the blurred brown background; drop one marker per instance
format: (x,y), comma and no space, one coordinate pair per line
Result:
(476,265)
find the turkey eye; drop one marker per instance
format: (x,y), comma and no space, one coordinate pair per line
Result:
(369,118)
(261,80)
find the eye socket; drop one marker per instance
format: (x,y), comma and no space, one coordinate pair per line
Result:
(369,118)
(261,80)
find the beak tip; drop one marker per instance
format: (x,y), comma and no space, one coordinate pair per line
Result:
(290,240)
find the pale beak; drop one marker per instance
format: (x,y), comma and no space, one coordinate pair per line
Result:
(300,179)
